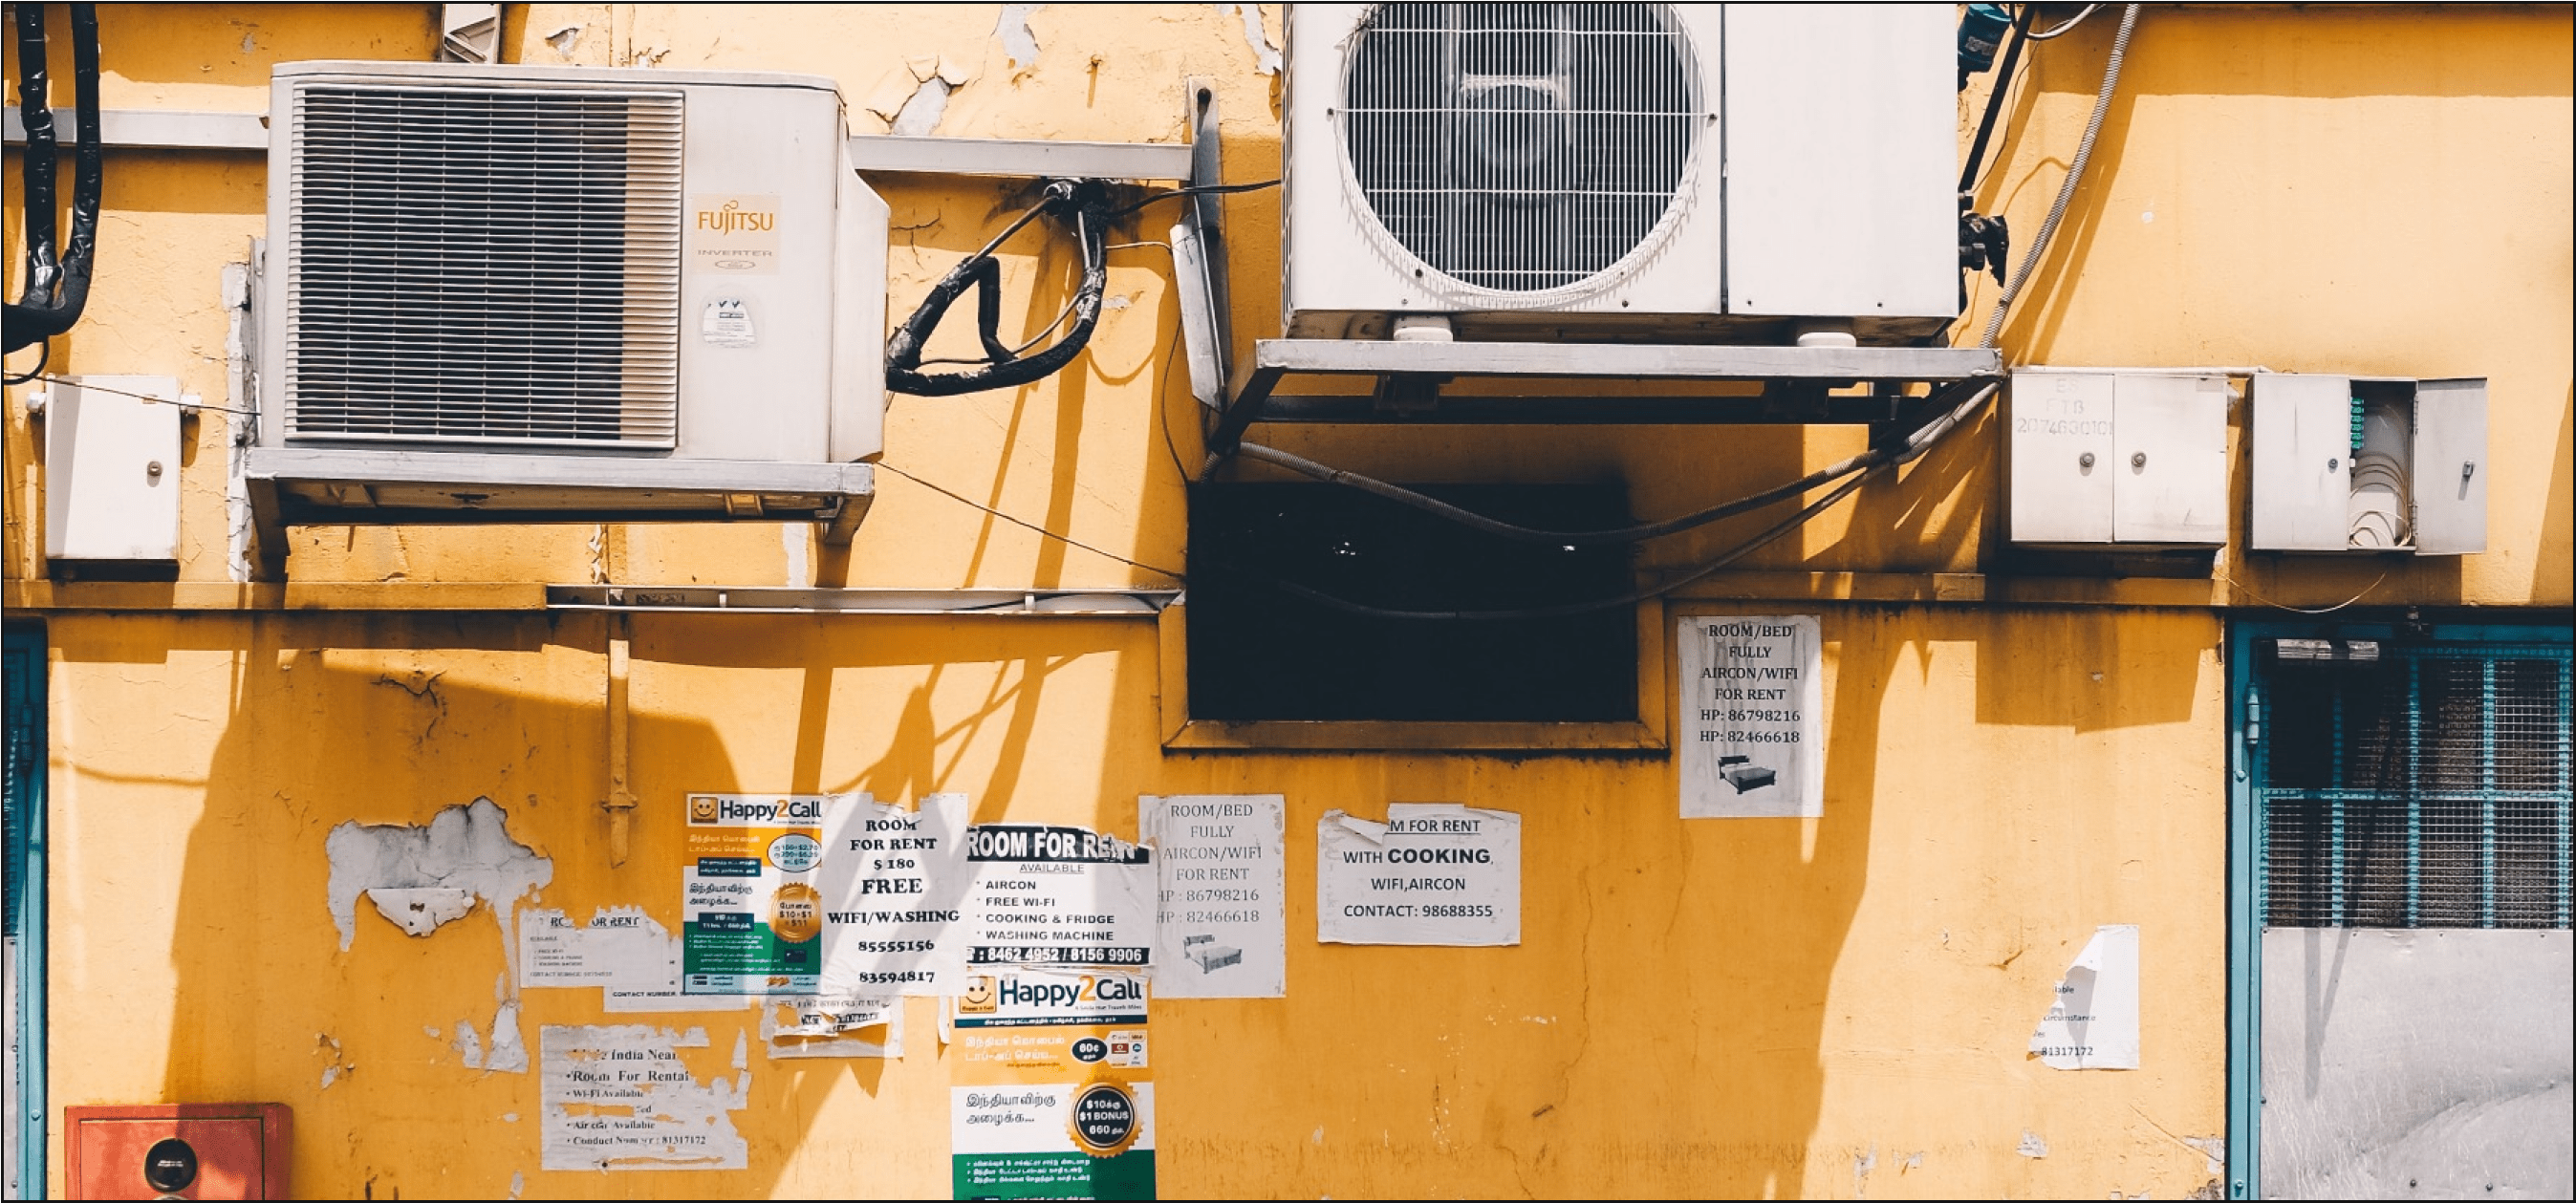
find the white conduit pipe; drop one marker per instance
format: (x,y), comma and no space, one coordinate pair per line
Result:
(1932,432)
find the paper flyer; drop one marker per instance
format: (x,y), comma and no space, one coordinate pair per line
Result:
(753,917)
(1051,1089)
(1222,929)
(1429,874)
(1058,896)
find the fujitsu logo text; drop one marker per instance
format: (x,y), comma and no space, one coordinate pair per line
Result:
(733,217)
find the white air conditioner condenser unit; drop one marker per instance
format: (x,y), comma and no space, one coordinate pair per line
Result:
(512,293)
(1665,172)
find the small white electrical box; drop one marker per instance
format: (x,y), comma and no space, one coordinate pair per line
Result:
(2369,464)
(112,468)
(2132,458)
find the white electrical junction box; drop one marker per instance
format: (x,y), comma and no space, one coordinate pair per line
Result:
(2133,458)
(2369,464)
(112,468)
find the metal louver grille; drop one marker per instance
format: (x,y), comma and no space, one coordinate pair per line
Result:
(1522,147)
(2430,791)
(484,265)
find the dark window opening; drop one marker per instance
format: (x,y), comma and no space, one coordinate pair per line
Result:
(1259,652)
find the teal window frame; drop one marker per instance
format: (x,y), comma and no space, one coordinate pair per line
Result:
(28,749)
(2245,833)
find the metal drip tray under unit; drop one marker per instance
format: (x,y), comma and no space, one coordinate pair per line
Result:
(308,486)
(1796,381)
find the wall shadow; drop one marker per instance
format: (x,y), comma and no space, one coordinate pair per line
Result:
(389,720)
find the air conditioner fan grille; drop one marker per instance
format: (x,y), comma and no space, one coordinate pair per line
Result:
(484,265)
(1522,148)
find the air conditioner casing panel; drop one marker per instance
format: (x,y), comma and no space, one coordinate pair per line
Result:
(593,289)
(1819,181)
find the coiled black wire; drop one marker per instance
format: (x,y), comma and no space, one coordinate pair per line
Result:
(57,287)
(1082,204)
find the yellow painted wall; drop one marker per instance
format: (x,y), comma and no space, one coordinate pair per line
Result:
(1780,1007)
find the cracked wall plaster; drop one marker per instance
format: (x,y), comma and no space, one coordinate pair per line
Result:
(920,114)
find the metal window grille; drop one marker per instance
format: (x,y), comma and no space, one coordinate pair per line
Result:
(2428,789)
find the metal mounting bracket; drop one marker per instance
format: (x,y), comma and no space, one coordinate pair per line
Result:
(1197,237)
(162,129)
(1020,158)
(768,599)
(1797,381)
(1199,255)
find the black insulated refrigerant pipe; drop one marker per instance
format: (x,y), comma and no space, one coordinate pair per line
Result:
(1969,171)
(1085,203)
(57,287)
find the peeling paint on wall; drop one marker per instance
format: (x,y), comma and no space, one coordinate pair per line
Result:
(1265,52)
(1018,40)
(797,540)
(2031,1145)
(2213,1151)
(619,1098)
(509,1054)
(463,849)
(421,911)
(335,1060)
(921,112)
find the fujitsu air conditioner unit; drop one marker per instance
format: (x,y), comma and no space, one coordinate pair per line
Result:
(1666,172)
(511,293)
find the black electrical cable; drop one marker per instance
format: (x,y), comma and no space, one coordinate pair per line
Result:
(57,285)
(1086,204)
(2071,23)
(1903,451)
(1025,524)
(1569,609)
(90,386)
(1529,534)
(44,355)
(1194,190)
(1972,170)
(1896,452)
(37,168)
